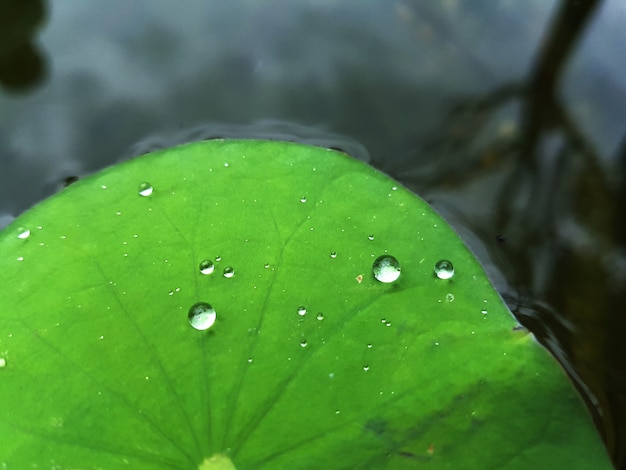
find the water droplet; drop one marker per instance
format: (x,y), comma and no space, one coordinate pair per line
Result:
(201,316)
(303,343)
(366,368)
(394,188)
(359,278)
(444,269)
(229,272)
(207,267)
(386,269)
(387,323)
(145,189)
(301,310)
(370,237)
(3,362)
(449,297)
(218,259)
(23,233)
(484,311)
(303,199)
(249,360)
(266,266)
(333,254)
(320,316)
(369,346)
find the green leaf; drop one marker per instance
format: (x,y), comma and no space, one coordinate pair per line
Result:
(101,367)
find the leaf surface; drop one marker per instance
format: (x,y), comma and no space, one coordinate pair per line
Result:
(311,362)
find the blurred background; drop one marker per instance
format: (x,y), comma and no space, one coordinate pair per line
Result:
(508,117)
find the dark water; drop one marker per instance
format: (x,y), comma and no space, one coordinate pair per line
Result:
(430,92)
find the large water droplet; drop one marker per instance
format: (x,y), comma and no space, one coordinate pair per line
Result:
(202,316)
(23,233)
(229,272)
(444,269)
(386,269)
(207,267)
(301,310)
(145,189)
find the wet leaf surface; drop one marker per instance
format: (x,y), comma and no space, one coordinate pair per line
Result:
(265,305)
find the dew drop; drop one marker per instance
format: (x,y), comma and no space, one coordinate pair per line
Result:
(207,267)
(218,259)
(303,199)
(369,346)
(266,266)
(3,362)
(484,311)
(229,272)
(249,360)
(370,237)
(333,254)
(386,269)
(444,269)
(23,233)
(366,368)
(145,189)
(387,323)
(320,316)
(202,316)
(449,297)
(303,343)
(301,310)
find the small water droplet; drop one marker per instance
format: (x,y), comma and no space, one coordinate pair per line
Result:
(226,165)
(303,199)
(103,186)
(370,237)
(301,310)
(388,323)
(303,343)
(23,233)
(207,267)
(320,316)
(484,311)
(444,269)
(3,362)
(386,269)
(201,316)
(369,346)
(229,272)
(266,266)
(394,188)
(333,254)
(145,189)
(249,360)
(449,297)
(218,259)
(366,368)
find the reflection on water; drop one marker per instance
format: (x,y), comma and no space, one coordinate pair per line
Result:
(436,93)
